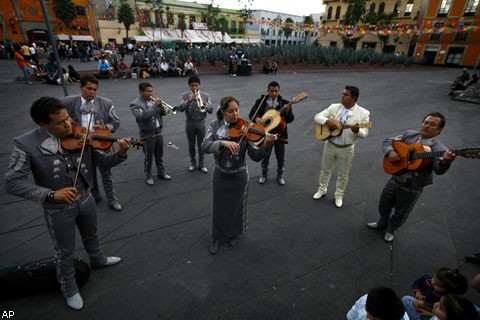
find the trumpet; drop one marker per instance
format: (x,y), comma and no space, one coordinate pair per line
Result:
(166,106)
(200,103)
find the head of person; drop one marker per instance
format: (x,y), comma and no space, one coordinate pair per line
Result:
(194,83)
(454,307)
(432,125)
(273,90)
(146,90)
(447,280)
(70,67)
(49,113)
(229,109)
(89,87)
(50,60)
(384,304)
(350,96)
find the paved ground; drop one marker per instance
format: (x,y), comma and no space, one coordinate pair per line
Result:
(300,259)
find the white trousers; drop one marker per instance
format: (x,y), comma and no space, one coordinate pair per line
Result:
(342,158)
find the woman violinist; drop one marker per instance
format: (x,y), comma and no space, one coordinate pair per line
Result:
(230,176)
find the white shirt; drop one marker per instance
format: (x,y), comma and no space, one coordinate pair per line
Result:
(358,312)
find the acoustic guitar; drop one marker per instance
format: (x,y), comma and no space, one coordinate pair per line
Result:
(273,120)
(323,132)
(413,157)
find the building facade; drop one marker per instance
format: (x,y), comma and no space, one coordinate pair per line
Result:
(24,21)
(407,12)
(454,39)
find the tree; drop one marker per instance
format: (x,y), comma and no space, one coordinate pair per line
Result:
(355,11)
(181,23)
(308,22)
(126,16)
(213,12)
(65,11)
(245,11)
(287,28)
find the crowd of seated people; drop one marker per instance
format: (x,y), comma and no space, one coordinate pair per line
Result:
(152,69)
(463,81)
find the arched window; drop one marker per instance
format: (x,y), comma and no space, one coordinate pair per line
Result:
(372,8)
(408,8)
(329,15)
(381,7)
(396,8)
(337,12)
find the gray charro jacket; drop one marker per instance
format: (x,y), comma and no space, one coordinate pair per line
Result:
(192,111)
(147,114)
(105,113)
(423,177)
(36,152)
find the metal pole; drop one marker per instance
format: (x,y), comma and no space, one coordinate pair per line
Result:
(54,46)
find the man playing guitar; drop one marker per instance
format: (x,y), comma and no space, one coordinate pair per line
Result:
(273,100)
(403,189)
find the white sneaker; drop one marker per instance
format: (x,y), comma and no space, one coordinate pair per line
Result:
(338,202)
(319,195)
(75,302)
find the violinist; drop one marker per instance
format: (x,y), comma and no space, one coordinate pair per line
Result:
(273,100)
(230,176)
(65,204)
(86,108)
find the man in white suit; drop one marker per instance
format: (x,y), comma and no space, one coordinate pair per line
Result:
(340,150)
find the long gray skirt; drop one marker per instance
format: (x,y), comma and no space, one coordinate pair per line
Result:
(230,192)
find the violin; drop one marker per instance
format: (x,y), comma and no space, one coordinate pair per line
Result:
(252,131)
(99,139)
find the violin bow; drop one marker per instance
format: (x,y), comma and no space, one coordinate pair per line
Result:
(79,164)
(253,117)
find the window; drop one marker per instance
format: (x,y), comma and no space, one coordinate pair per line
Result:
(80,11)
(396,8)
(444,8)
(471,8)
(372,8)
(435,36)
(381,7)
(329,15)
(408,9)
(337,12)
(233,26)
(461,36)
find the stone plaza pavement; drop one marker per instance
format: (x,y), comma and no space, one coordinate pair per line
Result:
(300,258)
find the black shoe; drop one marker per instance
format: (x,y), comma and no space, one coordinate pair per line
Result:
(232,241)
(97,198)
(474,258)
(213,248)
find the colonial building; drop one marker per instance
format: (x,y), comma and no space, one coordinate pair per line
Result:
(406,12)
(24,21)
(454,39)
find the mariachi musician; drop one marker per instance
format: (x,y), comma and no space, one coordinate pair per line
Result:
(273,100)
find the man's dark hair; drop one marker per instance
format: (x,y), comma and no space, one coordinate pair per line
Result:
(144,85)
(273,84)
(193,79)
(88,78)
(383,303)
(443,120)
(42,108)
(354,91)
